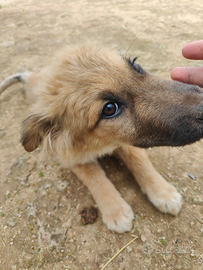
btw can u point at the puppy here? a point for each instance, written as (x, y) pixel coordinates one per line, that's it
(92, 101)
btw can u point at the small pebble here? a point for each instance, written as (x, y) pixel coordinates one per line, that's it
(63, 15)
(191, 176)
(20, 23)
(11, 222)
(129, 249)
(143, 238)
(2, 133)
(192, 224)
(192, 254)
(61, 185)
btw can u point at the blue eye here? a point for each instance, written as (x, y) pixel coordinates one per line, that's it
(136, 66)
(110, 109)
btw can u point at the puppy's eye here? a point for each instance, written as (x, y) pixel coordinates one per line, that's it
(136, 66)
(110, 109)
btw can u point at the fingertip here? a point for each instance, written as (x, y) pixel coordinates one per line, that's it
(173, 74)
(178, 74)
(191, 75)
(193, 50)
(188, 50)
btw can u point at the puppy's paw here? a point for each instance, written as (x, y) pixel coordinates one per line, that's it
(166, 200)
(118, 216)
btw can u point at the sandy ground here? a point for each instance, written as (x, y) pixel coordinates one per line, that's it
(40, 202)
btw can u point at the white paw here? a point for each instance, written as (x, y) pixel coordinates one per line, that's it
(168, 200)
(118, 216)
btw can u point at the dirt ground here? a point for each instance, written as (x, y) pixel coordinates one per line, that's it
(40, 202)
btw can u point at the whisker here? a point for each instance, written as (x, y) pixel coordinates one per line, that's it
(196, 151)
(120, 43)
(184, 151)
(140, 35)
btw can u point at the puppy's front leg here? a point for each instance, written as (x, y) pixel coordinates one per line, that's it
(163, 195)
(116, 213)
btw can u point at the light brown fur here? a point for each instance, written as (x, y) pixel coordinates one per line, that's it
(67, 103)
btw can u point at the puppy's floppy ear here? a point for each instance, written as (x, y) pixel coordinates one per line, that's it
(34, 129)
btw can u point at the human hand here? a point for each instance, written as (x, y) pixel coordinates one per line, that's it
(190, 75)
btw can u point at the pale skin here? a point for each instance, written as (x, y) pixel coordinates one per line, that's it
(191, 75)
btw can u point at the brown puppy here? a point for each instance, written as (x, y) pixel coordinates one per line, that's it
(92, 101)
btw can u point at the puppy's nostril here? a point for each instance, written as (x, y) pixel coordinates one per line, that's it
(200, 116)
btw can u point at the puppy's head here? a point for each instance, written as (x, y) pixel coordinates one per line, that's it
(93, 99)
(83, 103)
